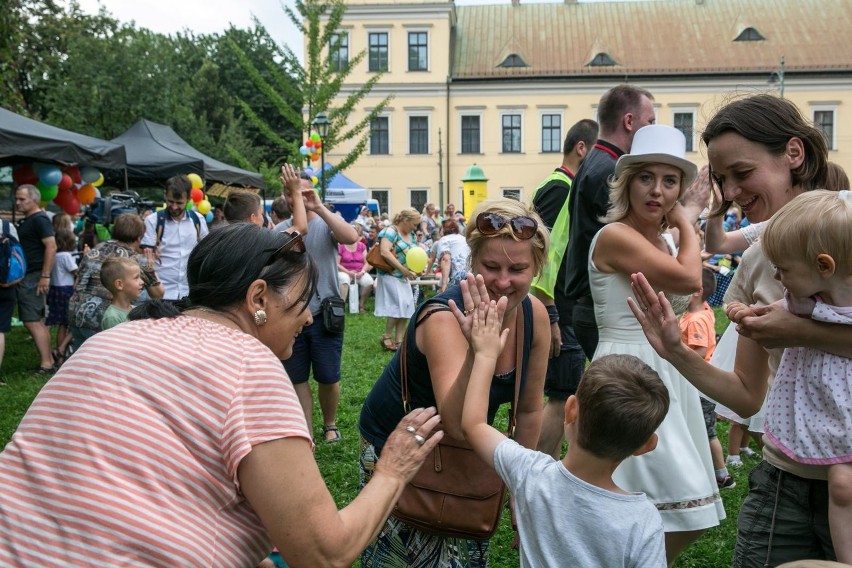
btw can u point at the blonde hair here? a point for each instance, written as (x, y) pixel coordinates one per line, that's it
(508, 208)
(619, 191)
(406, 215)
(816, 222)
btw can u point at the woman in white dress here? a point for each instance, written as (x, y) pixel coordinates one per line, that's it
(678, 475)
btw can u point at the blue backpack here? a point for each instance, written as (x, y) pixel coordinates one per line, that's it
(13, 267)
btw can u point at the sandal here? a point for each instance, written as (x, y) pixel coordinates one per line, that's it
(43, 371)
(389, 344)
(335, 430)
(58, 358)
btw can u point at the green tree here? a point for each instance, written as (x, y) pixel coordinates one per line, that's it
(316, 85)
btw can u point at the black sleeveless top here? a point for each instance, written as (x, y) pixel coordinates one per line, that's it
(383, 409)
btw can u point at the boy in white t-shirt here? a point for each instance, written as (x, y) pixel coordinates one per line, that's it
(571, 512)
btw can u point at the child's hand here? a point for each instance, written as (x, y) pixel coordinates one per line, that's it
(486, 337)
(736, 311)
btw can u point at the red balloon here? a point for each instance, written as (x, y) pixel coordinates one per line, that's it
(65, 183)
(74, 172)
(309, 143)
(61, 197)
(72, 206)
(197, 195)
(25, 174)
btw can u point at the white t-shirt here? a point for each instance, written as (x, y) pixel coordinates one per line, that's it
(64, 267)
(564, 521)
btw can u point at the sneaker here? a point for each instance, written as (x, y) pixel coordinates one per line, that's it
(748, 452)
(734, 462)
(727, 483)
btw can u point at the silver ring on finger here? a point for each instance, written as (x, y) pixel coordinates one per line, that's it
(410, 429)
(419, 439)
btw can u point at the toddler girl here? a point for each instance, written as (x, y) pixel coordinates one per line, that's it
(809, 409)
(61, 288)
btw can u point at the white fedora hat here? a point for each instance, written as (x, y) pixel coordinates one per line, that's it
(661, 144)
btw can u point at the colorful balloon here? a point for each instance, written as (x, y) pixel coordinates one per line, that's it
(197, 195)
(72, 206)
(48, 192)
(74, 172)
(86, 194)
(416, 259)
(195, 180)
(190, 205)
(209, 217)
(89, 174)
(304, 150)
(314, 180)
(99, 182)
(50, 175)
(66, 183)
(25, 174)
(204, 206)
(315, 137)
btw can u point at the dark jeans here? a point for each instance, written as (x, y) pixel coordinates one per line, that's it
(783, 518)
(585, 326)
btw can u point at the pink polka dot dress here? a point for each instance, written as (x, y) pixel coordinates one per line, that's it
(809, 409)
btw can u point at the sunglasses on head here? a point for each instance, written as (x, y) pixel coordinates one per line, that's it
(523, 227)
(294, 244)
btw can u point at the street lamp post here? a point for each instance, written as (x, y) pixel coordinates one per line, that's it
(778, 77)
(321, 124)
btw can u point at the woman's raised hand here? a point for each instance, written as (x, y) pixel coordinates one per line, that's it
(655, 315)
(473, 294)
(290, 179)
(410, 443)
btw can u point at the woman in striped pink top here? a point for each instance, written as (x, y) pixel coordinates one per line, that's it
(179, 441)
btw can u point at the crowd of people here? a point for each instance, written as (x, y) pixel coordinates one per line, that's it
(614, 260)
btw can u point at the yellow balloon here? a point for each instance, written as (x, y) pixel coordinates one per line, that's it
(160, 208)
(314, 180)
(195, 180)
(416, 259)
(99, 182)
(203, 207)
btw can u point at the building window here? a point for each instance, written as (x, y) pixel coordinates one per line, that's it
(749, 34)
(418, 135)
(338, 51)
(419, 198)
(824, 121)
(602, 59)
(418, 50)
(511, 133)
(378, 51)
(551, 133)
(683, 121)
(379, 136)
(512, 193)
(470, 135)
(381, 195)
(513, 60)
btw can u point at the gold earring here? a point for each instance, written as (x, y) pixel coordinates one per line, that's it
(260, 317)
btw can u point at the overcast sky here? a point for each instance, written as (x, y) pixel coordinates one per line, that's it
(209, 16)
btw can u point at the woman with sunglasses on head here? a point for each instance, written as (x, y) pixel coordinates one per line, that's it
(180, 441)
(394, 297)
(762, 154)
(508, 244)
(677, 476)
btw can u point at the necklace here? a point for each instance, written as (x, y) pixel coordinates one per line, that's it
(231, 322)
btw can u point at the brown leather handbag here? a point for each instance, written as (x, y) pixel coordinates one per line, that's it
(455, 493)
(375, 259)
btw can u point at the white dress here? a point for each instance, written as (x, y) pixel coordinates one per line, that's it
(677, 476)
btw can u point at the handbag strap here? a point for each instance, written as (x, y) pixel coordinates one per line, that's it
(519, 354)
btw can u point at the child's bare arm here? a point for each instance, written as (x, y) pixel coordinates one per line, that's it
(487, 342)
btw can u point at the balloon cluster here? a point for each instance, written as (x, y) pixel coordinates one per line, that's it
(197, 199)
(312, 147)
(69, 187)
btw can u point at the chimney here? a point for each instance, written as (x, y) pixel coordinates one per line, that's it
(516, 2)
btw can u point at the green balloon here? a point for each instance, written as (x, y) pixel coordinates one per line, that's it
(189, 205)
(48, 192)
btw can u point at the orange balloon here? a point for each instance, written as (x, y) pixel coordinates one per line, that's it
(87, 194)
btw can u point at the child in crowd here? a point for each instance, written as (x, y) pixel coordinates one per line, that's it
(698, 331)
(809, 408)
(60, 291)
(123, 278)
(573, 506)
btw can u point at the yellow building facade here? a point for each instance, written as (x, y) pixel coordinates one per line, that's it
(499, 86)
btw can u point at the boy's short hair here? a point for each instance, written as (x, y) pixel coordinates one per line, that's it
(240, 206)
(115, 268)
(708, 283)
(621, 401)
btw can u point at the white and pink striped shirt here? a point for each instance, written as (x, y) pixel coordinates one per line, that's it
(129, 454)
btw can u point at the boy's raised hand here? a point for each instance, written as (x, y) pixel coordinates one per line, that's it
(486, 337)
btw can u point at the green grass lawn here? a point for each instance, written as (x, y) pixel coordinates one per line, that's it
(363, 361)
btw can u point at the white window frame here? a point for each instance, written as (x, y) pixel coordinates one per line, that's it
(513, 112)
(390, 136)
(479, 114)
(827, 107)
(428, 49)
(562, 131)
(348, 47)
(687, 109)
(418, 113)
(379, 30)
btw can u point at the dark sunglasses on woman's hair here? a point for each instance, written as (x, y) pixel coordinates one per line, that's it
(294, 244)
(523, 227)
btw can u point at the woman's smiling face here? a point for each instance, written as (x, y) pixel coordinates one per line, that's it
(758, 181)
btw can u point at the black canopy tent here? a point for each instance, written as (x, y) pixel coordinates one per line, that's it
(23, 139)
(156, 152)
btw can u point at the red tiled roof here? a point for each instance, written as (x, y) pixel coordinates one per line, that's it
(670, 37)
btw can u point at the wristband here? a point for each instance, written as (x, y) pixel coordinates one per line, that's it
(45, 275)
(154, 284)
(553, 313)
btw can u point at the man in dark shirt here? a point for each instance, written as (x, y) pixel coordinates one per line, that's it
(35, 233)
(567, 360)
(622, 111)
